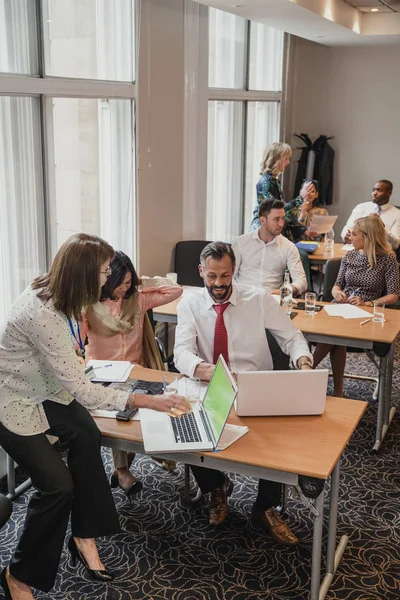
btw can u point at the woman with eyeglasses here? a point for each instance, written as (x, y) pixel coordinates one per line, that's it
(368, 274)
(118, 328)
(44, 390)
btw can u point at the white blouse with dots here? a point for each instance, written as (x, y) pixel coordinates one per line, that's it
(38, 362)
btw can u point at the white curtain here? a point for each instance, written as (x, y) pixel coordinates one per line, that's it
(22, 231)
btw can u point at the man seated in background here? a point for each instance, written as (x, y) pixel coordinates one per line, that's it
(380, 206)
(230, 319)
(263, 255)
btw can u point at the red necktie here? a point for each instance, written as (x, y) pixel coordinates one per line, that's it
(220, 334)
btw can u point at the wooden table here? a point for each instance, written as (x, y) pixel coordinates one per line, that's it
(319, 257)
(342, 332)
(278, 449)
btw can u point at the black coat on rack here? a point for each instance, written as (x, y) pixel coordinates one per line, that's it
(323, 167)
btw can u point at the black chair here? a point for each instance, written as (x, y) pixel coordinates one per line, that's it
(331, 272)
(186, 261)
(5, 510)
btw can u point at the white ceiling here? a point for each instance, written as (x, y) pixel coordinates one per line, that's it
(328, 22)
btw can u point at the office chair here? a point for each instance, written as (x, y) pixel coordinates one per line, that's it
(186, 261)
(5, 509)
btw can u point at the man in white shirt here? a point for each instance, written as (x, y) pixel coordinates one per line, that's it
(230, 319)
(263, 255)
(380, 206)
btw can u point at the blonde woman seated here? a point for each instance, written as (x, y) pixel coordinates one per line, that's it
(118, 328)
(368, 274)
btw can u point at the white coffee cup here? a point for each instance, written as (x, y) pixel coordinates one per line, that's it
(172, 276)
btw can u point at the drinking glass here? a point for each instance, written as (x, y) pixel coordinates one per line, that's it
(310, 300)
(173, 277)
(170, 381)
(379, 313)
(193, 387)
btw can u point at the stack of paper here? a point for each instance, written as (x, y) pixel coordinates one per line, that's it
(110, 370)
(347, 311)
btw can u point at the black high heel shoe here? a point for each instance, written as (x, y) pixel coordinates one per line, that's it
(76, 555)
(4, 585)
(130, 491)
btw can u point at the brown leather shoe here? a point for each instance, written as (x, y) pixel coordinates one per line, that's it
(271, 522)
(219, 502)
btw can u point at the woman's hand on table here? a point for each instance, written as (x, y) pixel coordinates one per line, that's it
(170, 403)
(339, 295)
(356, 301)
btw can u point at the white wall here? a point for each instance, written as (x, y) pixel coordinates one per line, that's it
(353, 94)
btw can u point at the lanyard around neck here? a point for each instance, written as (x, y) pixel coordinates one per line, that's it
(77, 339)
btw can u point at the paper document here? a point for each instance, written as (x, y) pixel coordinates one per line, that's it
(230, 434)
(347, 311)
(110, 370)
(347, 247)
(110, 414)
(322, 223)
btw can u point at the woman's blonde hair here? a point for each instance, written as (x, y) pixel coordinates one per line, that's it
(375, 237)
(273, 156)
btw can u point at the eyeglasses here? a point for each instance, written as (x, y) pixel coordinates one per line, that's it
(107, 272)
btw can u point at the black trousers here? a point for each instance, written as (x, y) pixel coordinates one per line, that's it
(80, 489)
(269, 492)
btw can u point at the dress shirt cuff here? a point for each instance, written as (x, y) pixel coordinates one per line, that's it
(300, 285)
(188, 364)
(298, 354)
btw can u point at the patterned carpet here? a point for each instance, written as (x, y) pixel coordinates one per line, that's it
(168, 551)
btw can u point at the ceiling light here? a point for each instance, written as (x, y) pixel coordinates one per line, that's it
(374, 9)
(238, 5)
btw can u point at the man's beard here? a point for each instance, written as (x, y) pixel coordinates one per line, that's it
(219, 298)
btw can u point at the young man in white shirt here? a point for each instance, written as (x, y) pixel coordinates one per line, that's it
(380, 206)
(230, 319)
(263, 255)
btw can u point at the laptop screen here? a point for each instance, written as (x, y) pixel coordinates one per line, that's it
(219, 398)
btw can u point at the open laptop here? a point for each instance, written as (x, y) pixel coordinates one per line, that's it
(281, 393)
(198, 430)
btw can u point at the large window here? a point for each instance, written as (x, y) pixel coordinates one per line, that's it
(67, 131)
(245, 83)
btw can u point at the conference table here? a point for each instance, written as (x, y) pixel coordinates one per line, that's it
(341, 332)
(278, 449)
(320, 257)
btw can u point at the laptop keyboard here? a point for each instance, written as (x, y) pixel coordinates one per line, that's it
(185, 428)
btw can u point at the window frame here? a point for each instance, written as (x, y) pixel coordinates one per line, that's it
(45, 87)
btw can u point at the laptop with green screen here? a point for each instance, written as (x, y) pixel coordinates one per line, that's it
(198, 430)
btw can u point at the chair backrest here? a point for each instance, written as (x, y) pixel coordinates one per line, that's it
(187, 258)
(331, 272)
(5, 510)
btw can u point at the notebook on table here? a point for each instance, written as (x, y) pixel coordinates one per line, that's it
(200, 429)
(281, 393)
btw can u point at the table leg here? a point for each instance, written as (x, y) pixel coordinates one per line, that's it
(389, 409)
(317, 548)
(334, 555)
(381, 402)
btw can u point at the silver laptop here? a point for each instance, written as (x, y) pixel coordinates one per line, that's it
(281, 393)
(198, 430)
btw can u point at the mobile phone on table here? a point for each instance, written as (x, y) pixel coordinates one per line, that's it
(302, 306)
(126, 415)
